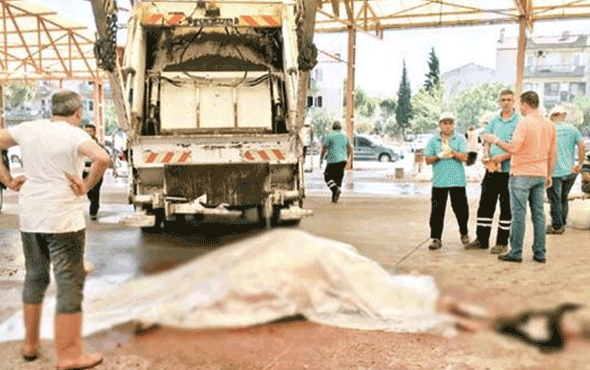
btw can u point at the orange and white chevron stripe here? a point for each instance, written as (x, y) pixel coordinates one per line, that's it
(161, 19)
(265, 155)
(177, 19)
(166, 157)
(260, 21)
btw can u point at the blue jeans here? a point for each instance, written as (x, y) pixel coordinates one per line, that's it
(523, 189)
(557, 195)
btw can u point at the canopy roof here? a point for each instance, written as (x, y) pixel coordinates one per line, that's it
(37, 43)
(379, 15)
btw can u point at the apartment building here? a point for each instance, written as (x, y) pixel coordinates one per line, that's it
(464, 78)
(556, 67)
(326, 87)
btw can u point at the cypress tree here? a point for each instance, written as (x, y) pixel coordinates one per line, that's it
(433, 75)
(403, 110)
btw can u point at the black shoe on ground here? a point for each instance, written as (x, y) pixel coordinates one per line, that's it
(336, 195)
(93, 217)
(475, 245)
(435, 244)
(508, 258)
(539, 259)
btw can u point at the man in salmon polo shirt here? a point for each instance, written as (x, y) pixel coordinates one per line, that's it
(533, 149)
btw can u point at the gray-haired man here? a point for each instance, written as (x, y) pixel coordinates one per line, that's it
(52, 221)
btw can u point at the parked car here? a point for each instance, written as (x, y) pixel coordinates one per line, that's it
(367, 148)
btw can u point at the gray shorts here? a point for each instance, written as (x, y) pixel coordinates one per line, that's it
(66, 252)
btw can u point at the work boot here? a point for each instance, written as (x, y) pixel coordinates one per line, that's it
(435, 244)
(68, 343)
(499, 249)
(551, 230)
(475, 245)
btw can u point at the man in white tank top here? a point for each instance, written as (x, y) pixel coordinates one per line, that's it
(52, 225)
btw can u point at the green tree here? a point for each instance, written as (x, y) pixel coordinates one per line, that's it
(111, 124)
(17, 95)
(427, 107)
(433, 75)
(387, 106)
(471, 104)
(391, 127)
(321, 123)
(363, 125)
(360, 98)
(387, 110)
(403, 110)
(369, 108)
(582, 103)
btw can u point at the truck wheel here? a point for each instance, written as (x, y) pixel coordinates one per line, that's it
(384, 158)
(277, 217)
(264, 222)
(159, 213)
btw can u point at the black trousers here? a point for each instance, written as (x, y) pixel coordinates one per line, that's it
(94, 196)
(334, 174)
(439, 205)
(494, 186)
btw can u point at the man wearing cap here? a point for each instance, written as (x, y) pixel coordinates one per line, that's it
(495, 181)
(337, 150)
(446, 152)
(565, 172)
(533, 148)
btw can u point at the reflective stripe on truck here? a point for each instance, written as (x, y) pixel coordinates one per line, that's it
(274, 155)
(180, 19)
(167, 156)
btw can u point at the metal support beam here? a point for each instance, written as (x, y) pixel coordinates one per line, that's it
(2, 108)
(98, 94)
(350, 88)
(520, 57)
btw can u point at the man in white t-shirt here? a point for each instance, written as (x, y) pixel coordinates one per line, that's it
(52, 222)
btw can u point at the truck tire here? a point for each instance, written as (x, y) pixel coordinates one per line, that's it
(263, 221)
(277, 217)
(159, 213)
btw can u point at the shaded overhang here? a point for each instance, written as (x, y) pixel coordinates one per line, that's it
(37, 43)
(379, 15)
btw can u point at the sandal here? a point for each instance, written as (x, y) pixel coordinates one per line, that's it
(514, 326)
(30, 357)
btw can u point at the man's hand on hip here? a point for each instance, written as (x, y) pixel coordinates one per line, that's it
(77, 185)
(17, 183)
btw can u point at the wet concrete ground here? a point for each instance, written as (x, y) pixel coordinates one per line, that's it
(386, 219)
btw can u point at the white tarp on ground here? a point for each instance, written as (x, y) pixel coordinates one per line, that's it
(277, 274)
(579, 214)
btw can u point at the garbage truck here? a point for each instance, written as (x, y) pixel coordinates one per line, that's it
(211, 96)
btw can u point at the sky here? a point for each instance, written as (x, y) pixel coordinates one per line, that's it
(379, 62)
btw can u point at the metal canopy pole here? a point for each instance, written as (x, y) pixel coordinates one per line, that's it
(520, 57)
(350, 88)
(99, 108)
(2, 110)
